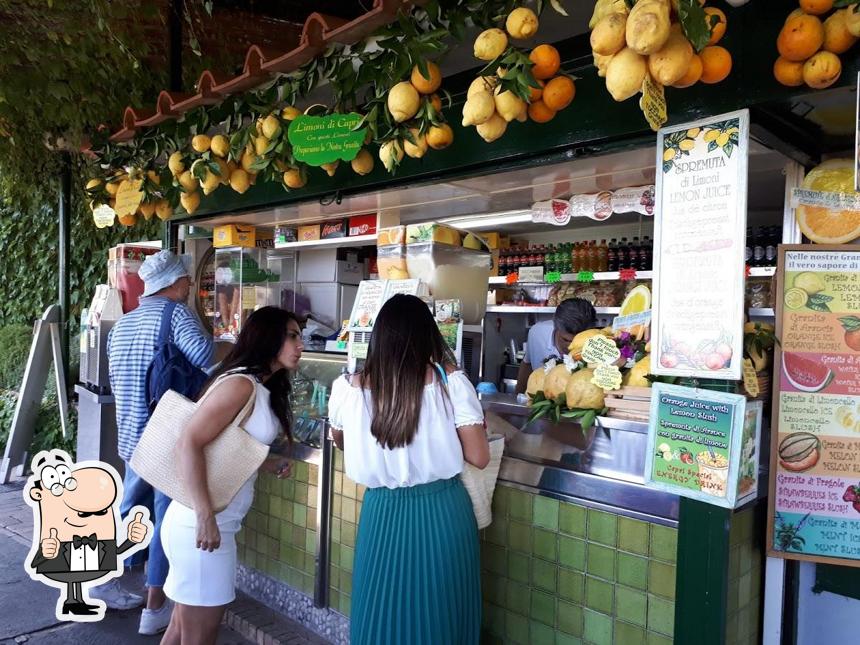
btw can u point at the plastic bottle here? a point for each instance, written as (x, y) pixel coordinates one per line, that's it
(758, 248)
(621, 253)
(568, 258)
(748, 250)
(602, 256)
(770, 246)
(549, 259)
(574, 257)
(612, 256)
(583, 256)
(645, 255)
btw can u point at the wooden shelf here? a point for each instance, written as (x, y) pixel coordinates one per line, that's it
(604, 276)
(334, 243)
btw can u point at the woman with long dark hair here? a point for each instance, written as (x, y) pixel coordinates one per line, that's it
(199, 543)
(406, 425)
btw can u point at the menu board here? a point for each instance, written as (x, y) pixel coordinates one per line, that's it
(703, 445)
(699, 230)
(814, 505)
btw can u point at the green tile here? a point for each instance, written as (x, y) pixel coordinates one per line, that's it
(598, 628)
(571, 585)
(632, 571)
(346, 557)
(518, 566)
(541, 634)
(572, 519)
(598, 595)
(338, 483)
(300, 514)
(501, 502)
(275, 506)
(661, 615)
(601, 561)
(545, 544)
(571, 553)
(521, 505)
(311, 541)
(310, 563)
(518, 598)
(517, 628)
(631, 605)
(301, 495)
(543, 607)
(493, 589)
(661, 580)
(497, 532)
(633, 535)
(544, 575)
(627, 634)
(566, 639)
(348, 510)
(546, 512)
(520, 537)
(494, 618)
(313, 495)
(345, 605)
(349, 488)
(298, 537)
(657, 639)
(664, 543)
(347, 533)
(346, 582)
(494, 558)
(602, 527)
(570, 618)
(336, 524)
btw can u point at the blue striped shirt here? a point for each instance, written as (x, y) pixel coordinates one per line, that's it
(131, 348)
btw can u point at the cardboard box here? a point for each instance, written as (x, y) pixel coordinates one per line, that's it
(335, 229)
(234, 235)
(362, 225)
(309, 233)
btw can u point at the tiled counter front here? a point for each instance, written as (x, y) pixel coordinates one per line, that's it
(279, 534)
(556, 572)
(346, 507)
(744, 594)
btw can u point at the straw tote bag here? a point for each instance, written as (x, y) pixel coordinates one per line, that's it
(481, 483)
(231, 459)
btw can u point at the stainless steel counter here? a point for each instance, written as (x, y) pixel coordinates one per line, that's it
(601, 468)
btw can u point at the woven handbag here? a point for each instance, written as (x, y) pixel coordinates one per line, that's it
(481, 483)
(231, 459)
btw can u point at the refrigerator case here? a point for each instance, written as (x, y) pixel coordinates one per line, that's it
(311, 388)
(243, 284)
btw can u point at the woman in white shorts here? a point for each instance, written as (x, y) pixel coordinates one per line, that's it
(200, 544)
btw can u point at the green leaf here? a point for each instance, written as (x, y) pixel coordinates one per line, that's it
(694, 22)
(850, 323)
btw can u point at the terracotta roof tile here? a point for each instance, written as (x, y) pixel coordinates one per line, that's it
(261, 63)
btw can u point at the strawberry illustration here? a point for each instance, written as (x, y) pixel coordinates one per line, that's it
(686, 456)
(852, 494)
(856, 505)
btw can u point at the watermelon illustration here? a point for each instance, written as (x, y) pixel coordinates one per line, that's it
(804, 374)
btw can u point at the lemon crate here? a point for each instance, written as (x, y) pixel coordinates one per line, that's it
(631, 403)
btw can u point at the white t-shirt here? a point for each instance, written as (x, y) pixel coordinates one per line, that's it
(435, 451)
(541, 343)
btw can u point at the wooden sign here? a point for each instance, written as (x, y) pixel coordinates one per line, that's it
(814, 502)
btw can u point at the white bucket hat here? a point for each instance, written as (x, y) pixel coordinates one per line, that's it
(162, 269)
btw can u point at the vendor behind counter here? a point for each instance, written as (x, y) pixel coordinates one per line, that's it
(552, 337)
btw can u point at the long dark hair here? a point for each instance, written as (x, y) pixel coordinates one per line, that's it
(258, 345)
(405, 341)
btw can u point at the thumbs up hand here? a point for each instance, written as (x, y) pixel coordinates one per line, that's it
(137, 529)
(51, 545)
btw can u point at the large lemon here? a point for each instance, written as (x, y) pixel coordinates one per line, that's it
(555, 382)
(419, 148)
(522, 23)
(220, 145)
(582, 393)
(492, 128)
(508, 104)
(478, 108)
(363, 162)
(391, 154)
(490, 44)
(403, 101)
(536, 381)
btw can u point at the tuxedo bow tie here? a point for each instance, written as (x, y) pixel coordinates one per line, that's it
(85, 540)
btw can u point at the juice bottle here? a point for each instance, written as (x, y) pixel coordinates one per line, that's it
(574, 257)
(612, 256)
(621, 253)
(568, 258)
(583, 256)
(602, 256)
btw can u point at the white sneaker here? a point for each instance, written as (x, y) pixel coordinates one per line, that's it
(114, 596)
(155, 621)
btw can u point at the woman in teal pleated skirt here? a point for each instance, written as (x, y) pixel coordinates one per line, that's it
(406, 425)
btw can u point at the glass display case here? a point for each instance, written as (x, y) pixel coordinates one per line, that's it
(311, 388)
(205, 284)
(243, 283)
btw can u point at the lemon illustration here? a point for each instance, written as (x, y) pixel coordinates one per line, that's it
(669, 154)
(810, 282)
(796, 298)
(687, 144)
(693, 132)
(637, 301)
(841, 413)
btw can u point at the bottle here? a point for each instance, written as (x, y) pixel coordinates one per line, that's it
(602, 256)
(532, 257)
(540, 257)
(549, 259)
(568, 258)
(503, 263)
(583, 256)
(591, 261)
(770, 246)
(645, 254)
(621, 253)
(758, 248)
(748, 250)
(612, 256)
(574, 257)
(633, 254)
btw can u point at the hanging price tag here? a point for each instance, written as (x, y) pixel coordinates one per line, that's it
(750, 378)
(512, 278)
(552, 277)
(103, 215)
(627, 275)
(607, 377)
(585, 276)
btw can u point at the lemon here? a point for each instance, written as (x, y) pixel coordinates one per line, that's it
(490, 44)
(391, 154)
(153, 177)
(796, 298)
(330, 168)
(211, 181)
(492, 128)
(508, 104)
(176, 163)
(637, 301)
(94, 183)
(723, 139)
(403, 101)
(248, 159)
(188, 181)
(220, 145)
(555, 381)
(271, 126)
(147, 210)
(240, 180)
(482, 84)
(261, 143)
(224, 171)
(825, 225)
(522, 23)
(840, 413)
(293, 178)
(664, 447)
(419, 148)
(190, 201)
(440, 136)
(201, 143)
(478, 108)
(289, 113)
(523, 116)
(163, 209)
(472, 242)
(810, 282)
(711, 135)
(112, 187)
(396, 273)
(363, 162)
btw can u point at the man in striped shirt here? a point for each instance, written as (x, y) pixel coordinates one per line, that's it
(131, 348)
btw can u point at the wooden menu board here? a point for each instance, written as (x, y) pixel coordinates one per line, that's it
(814, 503)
